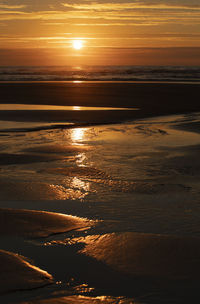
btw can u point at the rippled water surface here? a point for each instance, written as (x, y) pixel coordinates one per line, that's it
(139, 182)
(100, 73)
(139, 176)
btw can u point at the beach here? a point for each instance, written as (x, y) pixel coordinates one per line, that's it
(99, 204)
(153, 98)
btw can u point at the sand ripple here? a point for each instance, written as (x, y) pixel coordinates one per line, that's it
(141, 187)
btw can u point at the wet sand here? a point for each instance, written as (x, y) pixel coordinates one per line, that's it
(80, 300)
(144, 267)
(151, 98)
(137, 182)
(38, 224)
(18, 274)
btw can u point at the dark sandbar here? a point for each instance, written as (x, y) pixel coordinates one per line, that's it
(17, 159)
(151, 98)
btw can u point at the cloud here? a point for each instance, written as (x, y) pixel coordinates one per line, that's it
(121, 6)
(170, 19)
(8, 7)
(144, 12)
(120, 14)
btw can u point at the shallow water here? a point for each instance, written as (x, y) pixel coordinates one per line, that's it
(22, 107)
(140, 176)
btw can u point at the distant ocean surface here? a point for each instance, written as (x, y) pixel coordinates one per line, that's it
(101, 73)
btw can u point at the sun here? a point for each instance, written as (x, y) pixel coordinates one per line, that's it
(77, 44)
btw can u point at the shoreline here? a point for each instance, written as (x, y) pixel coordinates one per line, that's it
(45, 126)
(103, 81)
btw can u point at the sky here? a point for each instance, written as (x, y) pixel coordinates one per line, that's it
(119, 32)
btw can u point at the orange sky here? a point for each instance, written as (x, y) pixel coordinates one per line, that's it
(114, 32)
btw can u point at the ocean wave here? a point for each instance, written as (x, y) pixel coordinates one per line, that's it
(101, 73)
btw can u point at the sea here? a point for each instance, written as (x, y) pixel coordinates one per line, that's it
(101, 73)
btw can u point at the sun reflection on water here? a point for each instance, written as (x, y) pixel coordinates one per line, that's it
(80, 159)
(79, 184)
(73, 193)
(77, 81)
(77, 134)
